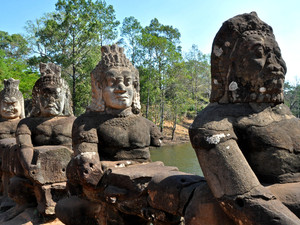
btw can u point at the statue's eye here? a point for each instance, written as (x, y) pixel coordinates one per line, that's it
(277, 52)
(127, 81)
(259, 51)
(111, 81)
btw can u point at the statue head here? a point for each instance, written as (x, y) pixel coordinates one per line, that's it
(11, 100)
(115, 83)
(51, 94)
(246, 63)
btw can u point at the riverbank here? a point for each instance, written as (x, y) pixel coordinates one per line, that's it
(181, 132)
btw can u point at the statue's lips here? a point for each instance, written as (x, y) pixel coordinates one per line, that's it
(274, 74)
(121, 97)
(278, 74)
(51, 106)
(9, 111)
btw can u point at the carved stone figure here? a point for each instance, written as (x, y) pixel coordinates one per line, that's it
(11, 111)
(246, 139)
(44, 143)
(112, 128)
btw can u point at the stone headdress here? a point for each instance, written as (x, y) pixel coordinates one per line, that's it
(224, 55)
(11, 89)
(50, 77)
(112, 56)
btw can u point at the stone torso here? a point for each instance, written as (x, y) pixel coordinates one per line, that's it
(116, 134)
(270, 142)
(45, 131)
(268, 137)
(8, 128)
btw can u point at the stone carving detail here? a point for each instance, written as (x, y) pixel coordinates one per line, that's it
(11, 111)
(12, 102)
(246, 137)
(44, 146)
(112, 126)
(51, 84)
(113, 64)
(246, 63)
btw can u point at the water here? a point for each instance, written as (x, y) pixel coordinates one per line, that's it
(182, 156)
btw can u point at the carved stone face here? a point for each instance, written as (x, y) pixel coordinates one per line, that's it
(10, 108)
(260, 62)
(119, 90)
(52, 101)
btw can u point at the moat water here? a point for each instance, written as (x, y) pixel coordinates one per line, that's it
(182, 156)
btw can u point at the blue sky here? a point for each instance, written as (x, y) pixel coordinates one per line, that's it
(197, 20)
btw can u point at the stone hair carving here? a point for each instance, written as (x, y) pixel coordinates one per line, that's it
(112, 57)
(50, 77)
(11, 89)
(246, 63)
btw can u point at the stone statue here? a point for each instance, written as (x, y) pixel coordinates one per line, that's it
(112, 128)
(110, 134)
(44, 143)
(11, 111)
(246, 139)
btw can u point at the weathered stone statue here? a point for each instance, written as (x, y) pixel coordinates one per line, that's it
(112, 125)
(44, 144)
(11, 111)
(246, 139)
(112, 128)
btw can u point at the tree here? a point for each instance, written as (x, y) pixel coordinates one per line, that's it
(177, 95)
(198, 67)
(13, 53)
(160, 50)
(14, 46)
(131, 30)
(292, 97)
(72, 37)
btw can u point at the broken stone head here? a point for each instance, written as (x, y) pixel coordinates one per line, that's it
(12, 102)
(51, 95)
(246, 62)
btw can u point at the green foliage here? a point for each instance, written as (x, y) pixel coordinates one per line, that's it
(131, 30)
(14, 46)
(171, 87)
(13, 50)
(198, 67)
(72, 37)
(292, 98)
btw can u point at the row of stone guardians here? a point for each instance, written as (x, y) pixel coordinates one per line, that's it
(96, 169)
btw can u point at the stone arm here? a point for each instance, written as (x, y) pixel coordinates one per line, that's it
(231, 179)
(85, 167)
(155, 134)
(25, 153)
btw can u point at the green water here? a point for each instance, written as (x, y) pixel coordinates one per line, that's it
(182, 156)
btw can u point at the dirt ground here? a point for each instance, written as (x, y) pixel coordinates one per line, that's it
(181, 132)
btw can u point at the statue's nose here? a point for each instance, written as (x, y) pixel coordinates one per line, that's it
(275, 64)
(121, 88)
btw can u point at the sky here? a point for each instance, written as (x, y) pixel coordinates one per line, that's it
(198, 21)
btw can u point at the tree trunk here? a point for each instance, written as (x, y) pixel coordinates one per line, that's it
(174, 126)
(148, 102)
(74, 76)
(161, 124)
